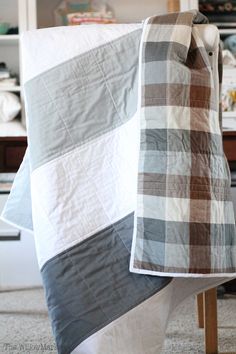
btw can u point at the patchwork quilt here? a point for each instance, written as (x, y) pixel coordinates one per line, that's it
(89, 92)
(185, 224)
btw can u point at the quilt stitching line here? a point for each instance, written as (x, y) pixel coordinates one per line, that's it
(59, 115)
(89, 142)
(82, 55)
(107, 86)
(107, 227)
(117, 316)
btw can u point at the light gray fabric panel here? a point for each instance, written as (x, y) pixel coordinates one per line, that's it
(18, 207)
(158, 74)
(82, 98)
(89, 285)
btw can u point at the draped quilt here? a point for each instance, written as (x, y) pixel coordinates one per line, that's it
(184, 215)
(111, 109)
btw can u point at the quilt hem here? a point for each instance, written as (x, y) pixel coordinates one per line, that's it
(181, 275)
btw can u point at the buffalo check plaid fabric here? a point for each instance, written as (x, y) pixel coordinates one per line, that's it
(185, 222)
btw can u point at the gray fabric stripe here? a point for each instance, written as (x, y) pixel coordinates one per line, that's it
(183, 192)
(178, 95)
(179, 18)
(159, 51)
(156, 161)
(90, 285)
(82, 98)
(177, 73)
(179, 186)
(155, 139)
(181, 140)
(175, 232)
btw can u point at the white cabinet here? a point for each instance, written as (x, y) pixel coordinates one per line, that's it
(18, 261)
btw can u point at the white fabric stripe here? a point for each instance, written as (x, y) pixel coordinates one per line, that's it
(139, 331)
(39, 47)
(163, 208)
(177, 35)
(84, 191)
(142, 329)
(156, 117)
(175, 117)
(206, 36)
(178, 209)
(166, 33)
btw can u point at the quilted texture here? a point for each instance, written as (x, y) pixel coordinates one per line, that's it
(185, 219)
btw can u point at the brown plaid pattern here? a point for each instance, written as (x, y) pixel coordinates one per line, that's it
(185, 220)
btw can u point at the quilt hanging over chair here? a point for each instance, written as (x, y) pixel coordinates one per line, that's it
(124, 151)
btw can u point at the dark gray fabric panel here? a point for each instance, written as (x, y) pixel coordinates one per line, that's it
(89, 285)
(162, 231)
(157, 51)
(154, 139)
(181, 140)
(82, 98)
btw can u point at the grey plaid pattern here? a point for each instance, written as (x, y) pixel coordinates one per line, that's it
(185, 218)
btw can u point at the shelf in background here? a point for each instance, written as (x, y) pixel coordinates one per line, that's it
(13, 130)
(228, 68)
(9, 38)
(10, 88)
(227, 30)
(6, 180)
(12, 150)
(229, 121)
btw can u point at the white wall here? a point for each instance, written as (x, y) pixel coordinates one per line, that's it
(9, 52)
(9, 11)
